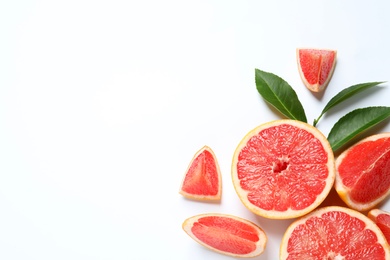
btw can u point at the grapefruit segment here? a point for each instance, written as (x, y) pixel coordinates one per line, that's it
(363, 172)
(226, 234)
(382, 220)
(202, 180)
(316, 67)
(334, 233)
(283, 169)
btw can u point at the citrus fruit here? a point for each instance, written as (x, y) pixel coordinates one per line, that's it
(363, 172)
(283, 169)
(226, 234)
(316, 67)
(334, 233)
(202, 180)
(382, 220)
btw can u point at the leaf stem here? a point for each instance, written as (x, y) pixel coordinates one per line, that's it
(316, 120)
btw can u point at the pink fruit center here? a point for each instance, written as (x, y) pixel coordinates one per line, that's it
(280, 165)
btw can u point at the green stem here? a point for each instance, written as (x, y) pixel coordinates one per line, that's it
(316, 120)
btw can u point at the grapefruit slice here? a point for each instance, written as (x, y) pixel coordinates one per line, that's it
(316, 67)
(202, 180)
(334, 233)
(363, 172)
(226, 234)
(283, 169)
(382, 220)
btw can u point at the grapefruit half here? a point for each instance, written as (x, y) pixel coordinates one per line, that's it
(363, 172)
(334, 233)
(382, 220)
(316, 67)
(283, 169)
(202, 179)
(226, 234)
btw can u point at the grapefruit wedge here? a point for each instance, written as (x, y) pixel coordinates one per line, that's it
(226, 234)
(283, 169)
(382, 220)
(316, 67)
(334, 233)
(202, 180)
(363, 172)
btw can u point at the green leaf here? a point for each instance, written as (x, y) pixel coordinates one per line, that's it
(279, 94)
(354, 123)
(345, 94)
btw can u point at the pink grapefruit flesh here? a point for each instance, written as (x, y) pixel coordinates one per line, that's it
(334, 233)
(283, 169)
(382, 220)
(202, 180)
(316, 67)
(363, 172)
(226, 234)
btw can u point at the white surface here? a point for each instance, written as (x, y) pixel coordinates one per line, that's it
(104, 103)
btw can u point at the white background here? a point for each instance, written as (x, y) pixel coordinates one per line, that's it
(104, 103)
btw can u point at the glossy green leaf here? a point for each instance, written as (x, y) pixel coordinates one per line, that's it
(354, 123)
(344, 95)
(279, 94)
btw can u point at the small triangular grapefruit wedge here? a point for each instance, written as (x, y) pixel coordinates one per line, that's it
(316, 67)
(363, 172)
(226, 234)
(202, 180)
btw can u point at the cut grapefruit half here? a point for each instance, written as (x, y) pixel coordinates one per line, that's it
(202, 180)
(226, 234)
(283, 169)
(382, 220)
(363, 172)
(334, 233)
(316, 67)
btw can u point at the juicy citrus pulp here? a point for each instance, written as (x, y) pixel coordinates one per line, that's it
(283, 169)
(316, 67)
(382, 220)
(226, 234)
(334, 233)
(363, 172)
(202, 180)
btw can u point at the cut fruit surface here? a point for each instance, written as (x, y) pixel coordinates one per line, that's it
(382, 220)
(283, 169)
(316, 67)
(334, 233)
(202, 180)
(363, 172)
(226, 234)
